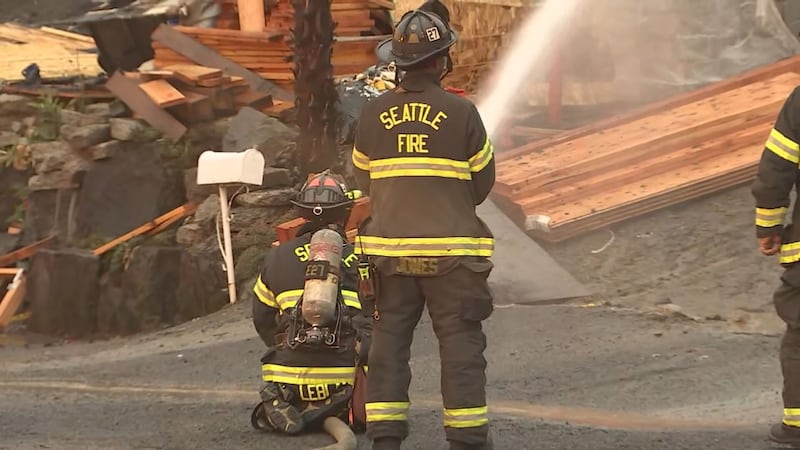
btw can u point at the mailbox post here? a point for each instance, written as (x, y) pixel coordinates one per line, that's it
(223, 169)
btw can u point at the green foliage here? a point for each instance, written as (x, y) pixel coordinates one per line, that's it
(48, 121)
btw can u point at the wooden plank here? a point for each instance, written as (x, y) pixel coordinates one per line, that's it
(253, 99)
(13, 298)
(786, 65)
(203, 55)
(179, 212)
(162, 93)
(251, 15)
(198, 108)
(638, 174)
(193, 73)
(660, 189)
(759, 97)
(25, 252)
(128, 91)
(628, 157)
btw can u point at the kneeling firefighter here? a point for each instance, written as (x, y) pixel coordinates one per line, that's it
(309, 315)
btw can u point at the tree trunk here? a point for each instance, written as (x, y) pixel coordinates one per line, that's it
(314, 88)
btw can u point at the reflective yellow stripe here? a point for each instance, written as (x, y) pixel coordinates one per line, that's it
(790, 253)
(782, 146)
(360, 160)
(289, 299)
(483, 157)
(791, 417)
(351, 299)
(466, 417)
(264, 294)
(419, 167)
(386, 411)
(770, 217)
(442, 246)
(307, 375)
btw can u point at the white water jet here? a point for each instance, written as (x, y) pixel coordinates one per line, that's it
(527, 58)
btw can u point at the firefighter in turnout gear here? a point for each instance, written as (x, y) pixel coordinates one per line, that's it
(778, 174)
(424, 157)
(307, 382)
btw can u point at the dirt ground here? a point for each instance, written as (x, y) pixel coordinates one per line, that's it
(699, 257)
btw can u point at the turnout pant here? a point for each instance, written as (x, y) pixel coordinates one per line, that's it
(787, 305)
(457, 302)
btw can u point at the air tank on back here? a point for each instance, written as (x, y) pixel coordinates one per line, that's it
(321, 288)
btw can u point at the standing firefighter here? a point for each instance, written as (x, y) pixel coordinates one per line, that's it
(310, 364)
(777, 175)
(425, 158)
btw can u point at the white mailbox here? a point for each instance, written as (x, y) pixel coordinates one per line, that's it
(223, 168)
(231, 167)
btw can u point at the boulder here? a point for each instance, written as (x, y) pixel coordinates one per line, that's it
(87, 136)
(256, 226)
(50, 156)
(253, 129)
(201, 284)
(194, 192)
(266, 198)
(53, 181)
(16, 105)
(121, 193)
(276, 177)
(62, 291)
(103, 150)
(7, 139)
(8, 242)
(202, 224)
(135, 130)
(248, 262)
(113, 317)
(148, 287)
(107, 109)
(191, 233)
(78, 119)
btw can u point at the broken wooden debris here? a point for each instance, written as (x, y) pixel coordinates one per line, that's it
(265, 55)
(288, 230)
(157, 225)
(676, 150)
(190, 50)
(57, 53)
(140, 103)
(12, 299)
(25, 252)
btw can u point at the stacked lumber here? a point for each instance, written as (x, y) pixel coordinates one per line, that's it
(352, 17)
(269, 54)
(194, 93)
(58, 53)
(685, 147)
(229, 17)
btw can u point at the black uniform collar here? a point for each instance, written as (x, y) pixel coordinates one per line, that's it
(419, 81)
(313, 227)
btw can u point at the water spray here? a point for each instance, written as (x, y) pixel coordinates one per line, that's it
(525, 59)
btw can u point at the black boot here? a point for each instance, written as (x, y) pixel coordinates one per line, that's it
(784, 434)
(278, 412)
(386, 443)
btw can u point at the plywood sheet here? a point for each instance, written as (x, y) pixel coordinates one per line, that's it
(53, 61)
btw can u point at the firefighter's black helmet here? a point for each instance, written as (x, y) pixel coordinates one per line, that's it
(324, 197)
(418, 36)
